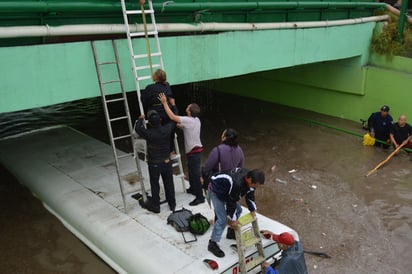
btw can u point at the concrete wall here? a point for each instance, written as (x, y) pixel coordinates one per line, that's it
(337, 88)
(34, 76)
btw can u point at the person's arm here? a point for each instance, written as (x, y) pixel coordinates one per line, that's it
(393, 140)
(211, 162)
(163, 99)
(140, 129)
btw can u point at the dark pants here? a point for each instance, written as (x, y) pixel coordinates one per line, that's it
(166, 171)
(382, 137)
(193, 163)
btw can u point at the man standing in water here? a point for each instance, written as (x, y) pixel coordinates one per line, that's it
(401, 133)
(193, 147)
(380, 124)
(293, 259)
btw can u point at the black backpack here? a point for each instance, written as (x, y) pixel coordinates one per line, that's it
(179, 219)
(184, 221)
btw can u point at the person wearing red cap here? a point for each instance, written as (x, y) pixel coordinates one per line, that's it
(293, 259)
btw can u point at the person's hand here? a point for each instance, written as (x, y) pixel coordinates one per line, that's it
(179, 125)
(266, 233)
(162, 98)
(233, 224)
(172, 101)
(253, 214)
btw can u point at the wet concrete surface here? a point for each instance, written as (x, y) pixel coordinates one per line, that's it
(364, 223)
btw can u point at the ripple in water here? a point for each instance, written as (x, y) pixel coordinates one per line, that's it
(74, 114)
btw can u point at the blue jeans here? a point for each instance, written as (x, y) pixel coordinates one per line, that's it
(220, 212)
(193, 163)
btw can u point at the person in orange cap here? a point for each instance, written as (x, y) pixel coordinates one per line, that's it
(293, 259)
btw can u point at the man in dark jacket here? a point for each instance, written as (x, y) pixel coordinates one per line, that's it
(225, 190)
(380, 124)
(158, 151)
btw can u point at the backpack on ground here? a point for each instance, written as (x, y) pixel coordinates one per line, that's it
(198, 224)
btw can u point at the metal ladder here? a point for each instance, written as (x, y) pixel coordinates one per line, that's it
(144, 63)
(111, 83)
(248, 236)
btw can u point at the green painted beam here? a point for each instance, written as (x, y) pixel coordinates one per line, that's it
(40, 75)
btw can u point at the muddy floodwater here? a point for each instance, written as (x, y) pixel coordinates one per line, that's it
(315, 183)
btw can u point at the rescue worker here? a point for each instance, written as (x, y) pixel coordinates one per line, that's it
(158, 161)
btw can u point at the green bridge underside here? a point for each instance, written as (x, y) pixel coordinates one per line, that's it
(324, 69)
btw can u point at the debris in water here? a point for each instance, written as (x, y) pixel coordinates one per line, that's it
(281, 181)
(292, 170)
(314, 187)
(273, 168)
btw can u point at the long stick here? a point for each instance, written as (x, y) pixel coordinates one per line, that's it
(386, 160)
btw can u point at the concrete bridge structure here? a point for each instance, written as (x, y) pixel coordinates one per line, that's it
(321, 65)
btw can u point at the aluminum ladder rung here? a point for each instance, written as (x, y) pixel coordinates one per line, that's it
(142, 33)
(139, 11)
(145, 55)
(115, 100)
(119, 118)
(125, 155)
(141, 78)
(121, 137)
(107, 63)
(110, 82)
(148, 67)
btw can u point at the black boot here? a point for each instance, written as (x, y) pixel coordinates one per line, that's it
(214, 248)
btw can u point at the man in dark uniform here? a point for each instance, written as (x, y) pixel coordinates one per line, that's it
(158, 151)
(380, 124)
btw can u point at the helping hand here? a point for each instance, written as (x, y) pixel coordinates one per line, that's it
(162, 98)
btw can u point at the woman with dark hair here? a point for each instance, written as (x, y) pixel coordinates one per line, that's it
(226, 156)
(223, 158)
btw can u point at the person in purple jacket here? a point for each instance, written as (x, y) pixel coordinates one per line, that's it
(224, 157)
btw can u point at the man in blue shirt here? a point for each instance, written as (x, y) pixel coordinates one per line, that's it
(293, 259)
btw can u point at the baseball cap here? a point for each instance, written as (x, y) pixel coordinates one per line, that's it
(153, 118)
(385, 108)
(284, 238)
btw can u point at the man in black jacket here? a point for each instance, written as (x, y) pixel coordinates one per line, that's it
(225, 190)
(380, 124)
(158, 151)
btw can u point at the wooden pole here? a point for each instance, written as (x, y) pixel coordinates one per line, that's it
(386, 160)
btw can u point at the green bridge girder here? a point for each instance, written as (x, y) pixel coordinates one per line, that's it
(40, 75)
